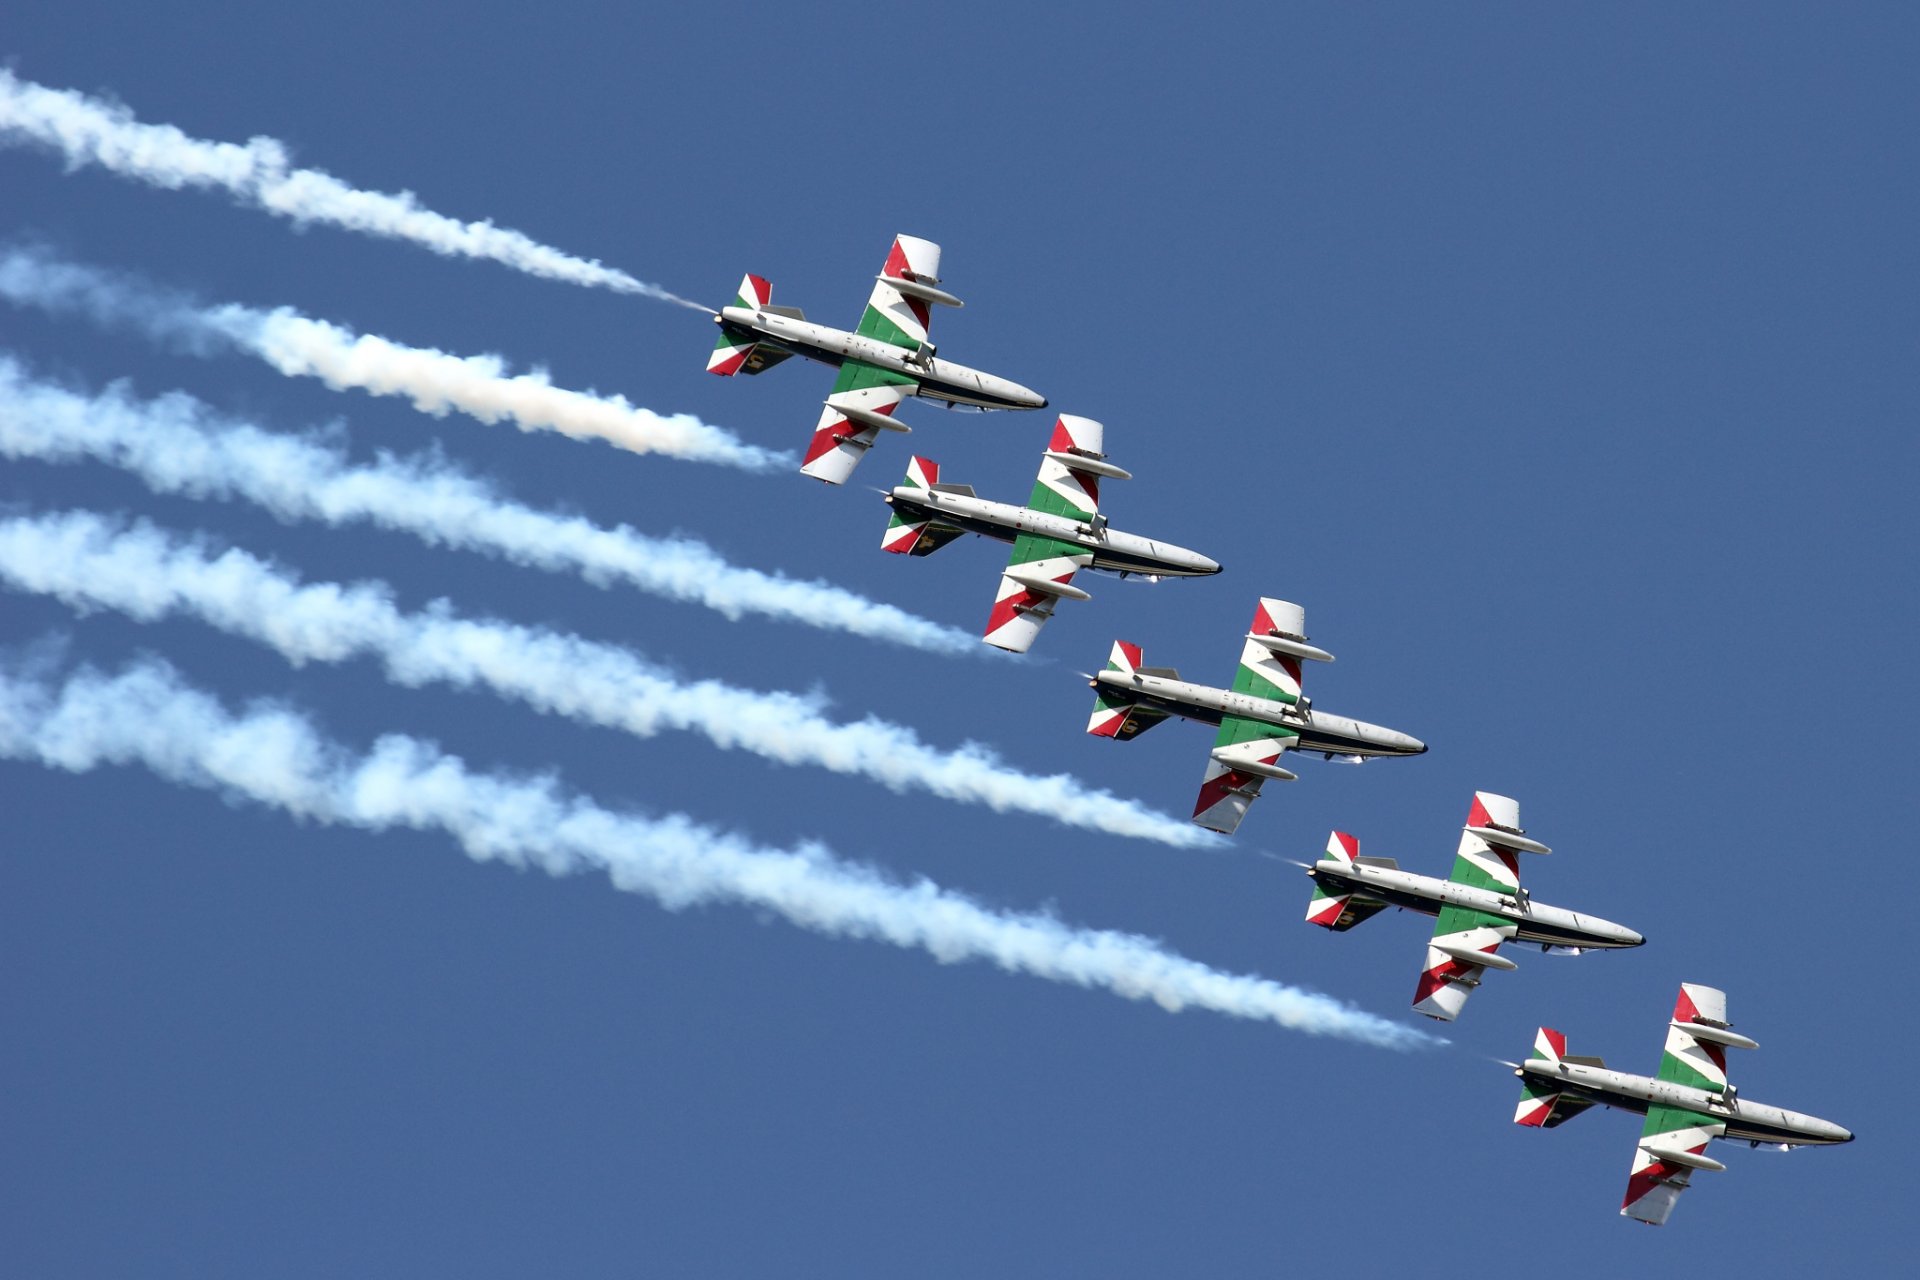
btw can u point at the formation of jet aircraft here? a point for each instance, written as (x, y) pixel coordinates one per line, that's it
(882, 362)
(1262, 716)
(1061, 531)
(1478, 907)
(1687, 1105)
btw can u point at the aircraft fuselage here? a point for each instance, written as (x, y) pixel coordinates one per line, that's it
(936, 379)
(1112, 550)
(1534, 921)
(1745, 1121)
(1317, 730)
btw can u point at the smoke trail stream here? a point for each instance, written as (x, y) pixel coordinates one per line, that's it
(146, 715)
(86, 130)
(177, 444)
(434, 382)
(89, 561)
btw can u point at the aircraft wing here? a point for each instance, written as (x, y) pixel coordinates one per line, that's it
(1674, 1141)
(1672, 1145)
(1038, 574)
(863, 396)
(1463, 946)
(1245, 754)
(1544, 1105)
(899, 309)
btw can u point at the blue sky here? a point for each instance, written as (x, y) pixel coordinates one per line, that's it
(1560, 363)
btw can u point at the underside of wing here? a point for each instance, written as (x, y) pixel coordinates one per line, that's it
(1673, 1143)
(1039, 573)
(1245, 754)
(1462, 948)
(863, 397)
(899, 309)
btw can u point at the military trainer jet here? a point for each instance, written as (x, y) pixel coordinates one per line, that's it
(1480, 906)
(1687, 1105)
(1060, 531)
(881, 363)
(1263, 715)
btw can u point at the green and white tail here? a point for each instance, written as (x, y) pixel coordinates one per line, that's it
(1542, 1106)
(1115, 715)
(736, 352)
(914, 533)
(1341, 911)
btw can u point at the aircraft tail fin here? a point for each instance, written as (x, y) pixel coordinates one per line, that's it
(1115, 714)
(735, 351)
(1339, 910)
(914, 532)
(1541, 1105)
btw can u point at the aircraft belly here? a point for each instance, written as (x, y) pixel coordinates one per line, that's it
(806, 349)
(1125, 562)
(1405, 899)
(934, 388)
(1556, 935)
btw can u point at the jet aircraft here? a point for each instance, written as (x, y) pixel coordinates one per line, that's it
(1480, 906)
(882, 362)
(1060, 531)
(1687, 1105)
(1263, 715)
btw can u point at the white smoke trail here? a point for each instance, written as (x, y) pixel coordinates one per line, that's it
(89, 561)
(434, 381)
(87, 130)
(178, 444)
(147, 716)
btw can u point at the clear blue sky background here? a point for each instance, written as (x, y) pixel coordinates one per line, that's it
(1562, 362)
